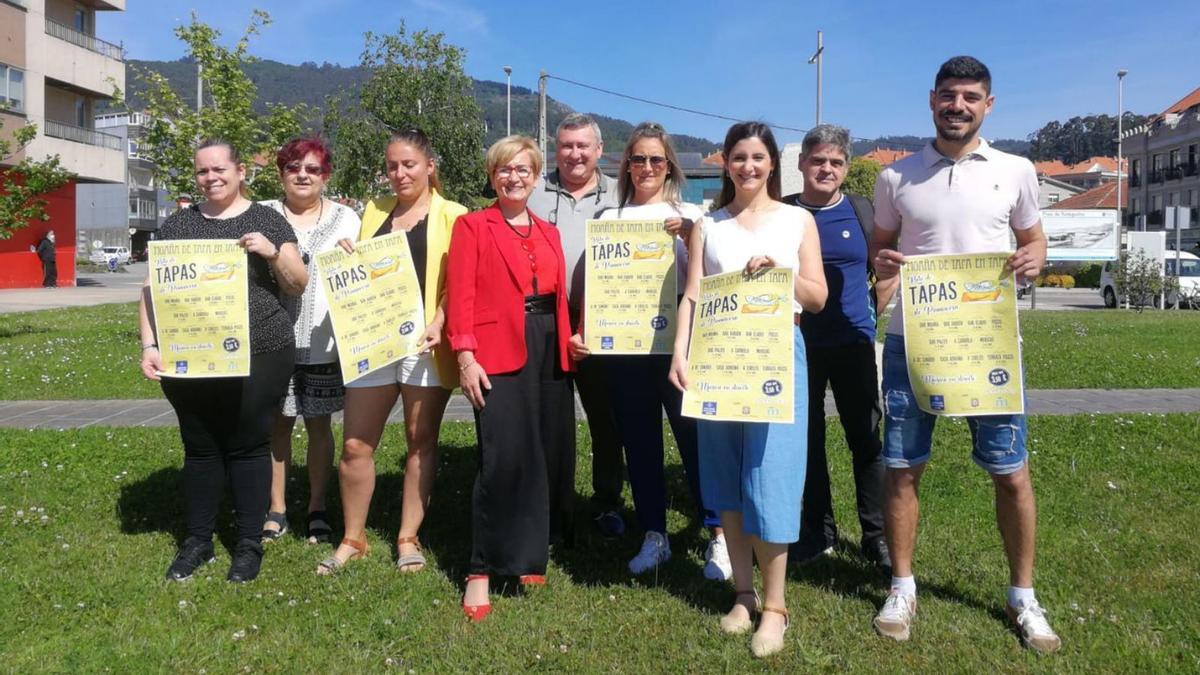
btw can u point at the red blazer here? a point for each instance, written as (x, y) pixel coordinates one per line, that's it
(485, 306)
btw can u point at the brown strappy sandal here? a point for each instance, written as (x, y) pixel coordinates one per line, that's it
(736, 627)
(763, 646)
(331, 564)
(410, 562)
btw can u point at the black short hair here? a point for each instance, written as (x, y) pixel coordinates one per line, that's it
(964, 68)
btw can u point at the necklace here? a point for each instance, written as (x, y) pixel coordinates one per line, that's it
(320, 212)
(528, 228)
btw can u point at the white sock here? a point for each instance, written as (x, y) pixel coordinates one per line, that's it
(1019, 598)
(904, 586)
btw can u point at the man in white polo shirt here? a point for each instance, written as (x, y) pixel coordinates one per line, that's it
(957, 195)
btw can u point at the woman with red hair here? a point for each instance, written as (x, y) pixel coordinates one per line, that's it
(315, 390)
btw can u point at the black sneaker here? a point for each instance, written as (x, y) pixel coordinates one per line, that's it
(247, 558)
(194, 553)
(876, 551)
(809, 551)
(610, 524)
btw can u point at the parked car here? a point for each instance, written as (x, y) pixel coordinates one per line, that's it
(1189, 280)
(103, 255)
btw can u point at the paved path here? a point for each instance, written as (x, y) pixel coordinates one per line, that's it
(157, 412)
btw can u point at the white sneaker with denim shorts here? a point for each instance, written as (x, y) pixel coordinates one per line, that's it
(655, 551)
(716, 560)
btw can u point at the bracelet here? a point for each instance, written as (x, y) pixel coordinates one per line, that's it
(463, 368)
(152, 345)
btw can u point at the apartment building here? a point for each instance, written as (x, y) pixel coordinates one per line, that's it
(1164, 168)
(54, 70)
(142, 205)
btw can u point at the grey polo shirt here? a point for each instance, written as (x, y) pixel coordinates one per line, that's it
(554, 204)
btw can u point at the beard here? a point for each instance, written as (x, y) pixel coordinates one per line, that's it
(964, 132)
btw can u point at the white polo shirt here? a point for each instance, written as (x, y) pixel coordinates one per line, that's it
(944, 206)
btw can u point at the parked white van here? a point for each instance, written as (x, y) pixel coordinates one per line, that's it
(1189, 280)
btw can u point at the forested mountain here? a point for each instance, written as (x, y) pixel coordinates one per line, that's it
(310, 84)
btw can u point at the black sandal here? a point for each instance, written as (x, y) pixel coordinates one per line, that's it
(318, 527)
(279, 519)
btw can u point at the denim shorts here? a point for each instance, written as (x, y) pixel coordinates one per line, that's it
(998, 440)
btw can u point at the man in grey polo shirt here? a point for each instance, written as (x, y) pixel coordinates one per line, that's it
(574, 192)
(957, 195)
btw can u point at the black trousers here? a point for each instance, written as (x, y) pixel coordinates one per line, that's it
(225, 425)
(608, 468)
(851, 372)
(525, 483)
(49, 274)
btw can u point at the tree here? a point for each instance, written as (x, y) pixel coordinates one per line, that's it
(860, 177)
(175, 127)
(417, 80)
(1140, 279)
(22, 185)
(1079, 138)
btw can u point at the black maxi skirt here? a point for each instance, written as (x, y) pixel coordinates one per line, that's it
(525, 484)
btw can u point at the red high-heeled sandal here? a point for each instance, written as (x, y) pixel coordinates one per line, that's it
(476, 613)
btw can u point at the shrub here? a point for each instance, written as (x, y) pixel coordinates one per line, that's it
(1088, 276)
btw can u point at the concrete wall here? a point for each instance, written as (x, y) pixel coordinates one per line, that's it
(12, 36)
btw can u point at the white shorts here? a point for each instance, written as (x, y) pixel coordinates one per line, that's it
(419, 370)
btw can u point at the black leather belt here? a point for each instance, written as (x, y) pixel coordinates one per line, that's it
(540, 304)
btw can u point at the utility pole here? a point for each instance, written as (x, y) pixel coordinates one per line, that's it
(199, 86)
(1120, 132)
(542, 113)
(817, 58)
(508, 101)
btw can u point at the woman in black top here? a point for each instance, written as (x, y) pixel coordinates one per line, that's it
(225, 423)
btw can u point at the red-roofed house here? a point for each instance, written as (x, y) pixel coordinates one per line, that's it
(1101, 197)
(1086, 174)
(886, 156)
(1164, 167)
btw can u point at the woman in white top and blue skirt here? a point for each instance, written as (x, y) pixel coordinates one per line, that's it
(752, 473)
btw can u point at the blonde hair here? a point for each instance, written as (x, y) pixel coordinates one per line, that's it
(503, 151)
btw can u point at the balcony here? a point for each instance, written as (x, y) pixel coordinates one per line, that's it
(88, 42)
(1135, 180)
(1156, 176)
(1191, 169)
(80, 135)
(1173, 172)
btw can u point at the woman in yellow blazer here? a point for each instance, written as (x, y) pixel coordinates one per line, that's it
(423, 382)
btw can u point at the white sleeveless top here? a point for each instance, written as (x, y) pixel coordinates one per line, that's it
(728, 246)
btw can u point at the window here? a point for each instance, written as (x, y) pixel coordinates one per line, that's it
(1157, 162)
(133, 208)
(1137, 167)
(82, 116)
(1191, 199)
(12, 88)
(1156, 202)
(1192, 151)
(1173, 158)
(1135, 205)
(133, 149)
(1172, 197)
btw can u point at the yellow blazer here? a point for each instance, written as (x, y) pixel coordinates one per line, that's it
(440, 224)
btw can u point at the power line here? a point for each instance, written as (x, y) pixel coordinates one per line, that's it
(899, 145)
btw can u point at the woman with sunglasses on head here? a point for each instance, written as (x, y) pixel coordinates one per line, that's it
(650, 187)
(752, 473)
(422, 382)
(225, 422)
(315, 391)
(507, 322)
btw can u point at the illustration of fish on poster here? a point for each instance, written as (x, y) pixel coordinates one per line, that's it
(374, 303)
(630, 297)
(961, 334)
(740, 359)
(200, 295)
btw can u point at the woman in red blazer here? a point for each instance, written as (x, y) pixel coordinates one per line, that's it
(507, 323)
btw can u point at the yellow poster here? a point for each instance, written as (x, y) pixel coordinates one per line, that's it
(740, 361)
(630, 298)
(201, 311)
(374, 303)
(961, 334)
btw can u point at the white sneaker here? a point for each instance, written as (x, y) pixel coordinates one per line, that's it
(1035, 630)
(655, 551)
(716, 560)
(894, 619)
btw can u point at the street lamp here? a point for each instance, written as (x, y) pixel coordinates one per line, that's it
(817, 58)
(508, 101)
(1120, 129)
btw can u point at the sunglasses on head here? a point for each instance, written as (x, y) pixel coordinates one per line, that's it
(310, 169)
(656, 161)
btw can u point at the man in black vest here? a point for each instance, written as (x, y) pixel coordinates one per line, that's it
(840, 341)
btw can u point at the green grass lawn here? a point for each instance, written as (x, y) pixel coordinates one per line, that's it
(89, 520)
(92, 352)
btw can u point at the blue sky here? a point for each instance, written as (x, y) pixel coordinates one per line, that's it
(1049, 60)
